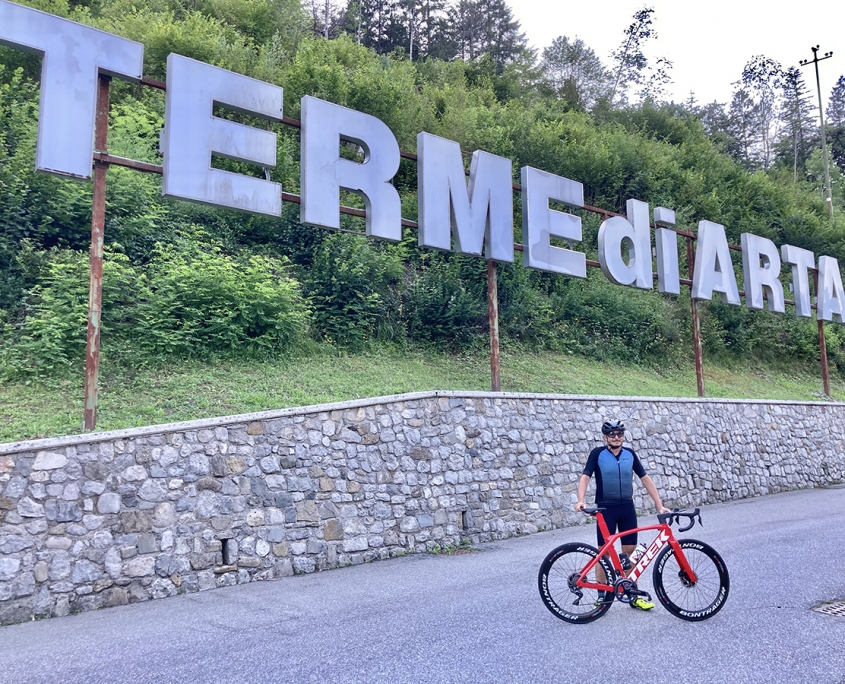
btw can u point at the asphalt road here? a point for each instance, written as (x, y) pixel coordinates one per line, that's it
(477, 618)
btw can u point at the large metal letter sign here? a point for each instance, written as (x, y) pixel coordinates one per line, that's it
(831, 296)
(475, 214)
(802, 260)
(73, 56)
(714, 271)
(192, 134)
(636, 232)
(539, 223)
(324, 172)
(761, 269)
(666, 248)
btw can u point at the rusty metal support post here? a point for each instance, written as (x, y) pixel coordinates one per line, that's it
(696, 325)
(95, 290)
(822, 342)
(493, 319)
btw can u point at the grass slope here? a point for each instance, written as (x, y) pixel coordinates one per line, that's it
(194, 390)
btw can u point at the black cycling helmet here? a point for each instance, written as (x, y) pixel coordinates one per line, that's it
(611, 425)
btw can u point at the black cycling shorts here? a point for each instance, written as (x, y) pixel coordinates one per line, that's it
(619, 517)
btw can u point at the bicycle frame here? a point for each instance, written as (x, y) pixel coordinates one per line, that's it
(664, 536)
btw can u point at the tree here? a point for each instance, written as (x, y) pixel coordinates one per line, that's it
(797, 120)
(372, 22)
(762, 77)
(836, 140)
(743, 127)
(419, 20)
(836, 122)
(719, 127)
(573, 72)
(326, 19)
(630, 60)
(487, 27)
(836, 106)
(654, 88)
(502, 37)
(443, 39)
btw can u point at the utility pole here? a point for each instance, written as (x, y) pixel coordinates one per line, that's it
(816, 59)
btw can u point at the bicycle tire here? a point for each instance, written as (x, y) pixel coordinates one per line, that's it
(687, 601)
(555, 580)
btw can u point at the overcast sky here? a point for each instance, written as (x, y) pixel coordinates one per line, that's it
(709, 41)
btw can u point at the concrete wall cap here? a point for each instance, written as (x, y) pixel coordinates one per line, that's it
(222, 421)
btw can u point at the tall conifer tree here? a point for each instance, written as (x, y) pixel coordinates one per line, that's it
(797, 119)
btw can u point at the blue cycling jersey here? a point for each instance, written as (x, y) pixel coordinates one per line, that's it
(614, 474)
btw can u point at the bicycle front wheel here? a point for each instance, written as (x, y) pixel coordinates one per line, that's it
(559, 573)
(683, 598)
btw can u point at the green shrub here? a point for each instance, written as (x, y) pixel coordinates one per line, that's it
(439, 308)
(51, 338)
(202, 303)
(605, 321)
(526, 312)
(353, 288)
(184, 304)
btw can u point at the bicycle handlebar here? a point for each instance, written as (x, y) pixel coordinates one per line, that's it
(675, 516)
(668, 518)
(591, 511)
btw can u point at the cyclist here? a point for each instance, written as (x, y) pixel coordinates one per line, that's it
(614, 467)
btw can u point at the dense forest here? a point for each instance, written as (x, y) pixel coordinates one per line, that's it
(184, 280)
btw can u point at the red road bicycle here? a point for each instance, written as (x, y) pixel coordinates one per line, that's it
(690, 578)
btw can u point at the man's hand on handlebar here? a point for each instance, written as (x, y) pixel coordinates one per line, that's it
(663, 509)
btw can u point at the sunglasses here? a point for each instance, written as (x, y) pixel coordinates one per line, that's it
(616, 433)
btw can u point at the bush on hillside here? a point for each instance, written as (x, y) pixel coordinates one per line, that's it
(440, 309)
(185, 304)
(353, 288)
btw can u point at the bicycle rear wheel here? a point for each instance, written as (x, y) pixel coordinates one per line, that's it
(688, 600)
(558, 574)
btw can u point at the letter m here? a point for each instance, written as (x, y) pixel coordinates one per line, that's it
(475, 214)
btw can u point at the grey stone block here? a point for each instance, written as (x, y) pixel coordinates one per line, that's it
(230, 552)
(152, 490)
(208, 483)
(108, 503)
(117, 596)
(147, 543)
(9, 568)
(164, 515)
(59, 568)
(85, 572)
(142, 566)
(63, 511)
(14, 544)
(202, 561)
(135, 521)
(12, 612)
(49, 460)
(27, 508)
(40, 571)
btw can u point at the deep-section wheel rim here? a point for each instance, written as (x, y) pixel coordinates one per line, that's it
(688, 600)
(557, 588)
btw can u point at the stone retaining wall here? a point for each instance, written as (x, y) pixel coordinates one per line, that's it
(112, 518)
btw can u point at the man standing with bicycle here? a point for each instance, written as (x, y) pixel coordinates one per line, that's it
(614, 466)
